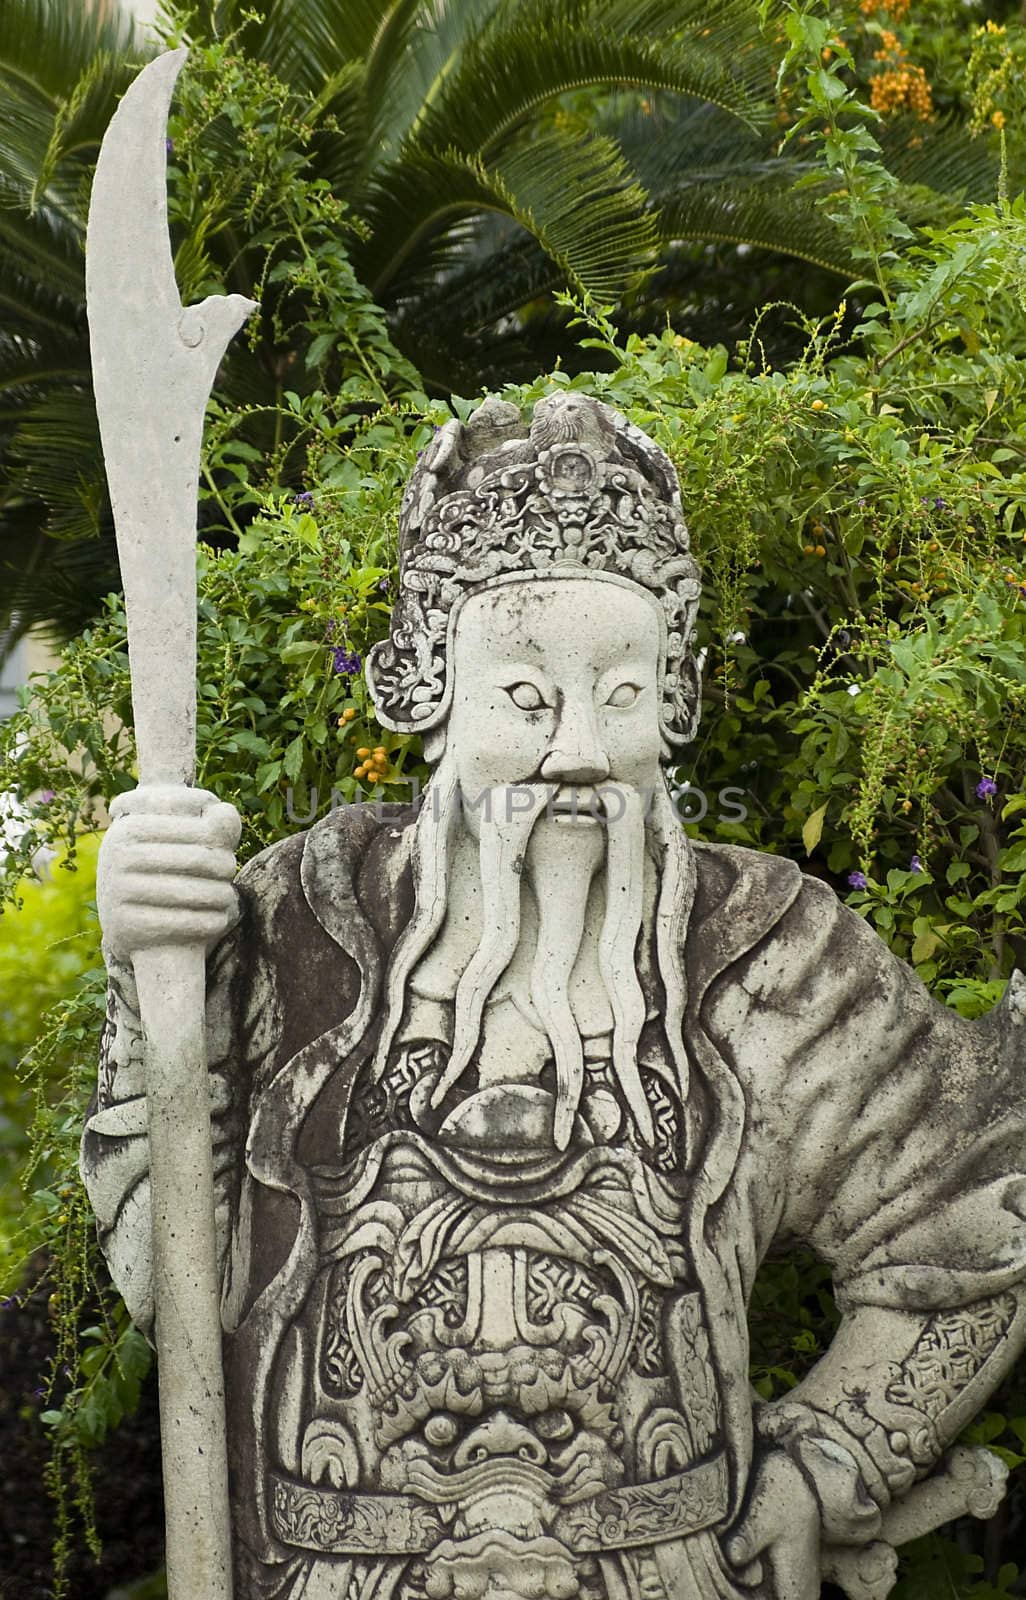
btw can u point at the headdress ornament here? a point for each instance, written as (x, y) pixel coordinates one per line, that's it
(580, 492)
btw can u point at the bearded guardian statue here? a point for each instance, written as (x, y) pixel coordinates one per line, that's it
(514, 1091)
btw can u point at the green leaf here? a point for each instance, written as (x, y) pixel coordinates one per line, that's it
(292, 763)
(812, 829)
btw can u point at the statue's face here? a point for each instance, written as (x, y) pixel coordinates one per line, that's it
(555, 680)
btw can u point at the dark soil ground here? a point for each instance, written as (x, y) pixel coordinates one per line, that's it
(127, 1477)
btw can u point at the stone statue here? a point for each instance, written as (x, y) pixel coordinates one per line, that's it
(512, 1093)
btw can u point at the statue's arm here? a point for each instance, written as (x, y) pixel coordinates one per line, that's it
(165, 877)
(891, 1141)
(878, 1411)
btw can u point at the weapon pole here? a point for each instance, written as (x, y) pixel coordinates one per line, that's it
(154, 363)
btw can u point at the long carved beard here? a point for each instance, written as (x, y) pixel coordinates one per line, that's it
(562, 859)
(560, 862)
(505, 833)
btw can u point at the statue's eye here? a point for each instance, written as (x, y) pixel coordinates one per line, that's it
(526, 695)
(440, 1429)
(624, 695)
(554, 1426)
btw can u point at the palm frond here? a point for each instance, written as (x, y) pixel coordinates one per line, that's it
(669, 140)
(942, 157)
(759, 215)
(533, 52)
(580, 200)
(62, 71)
(305, 42)
(574, 195)
(56, 459)
(435, 40)
(407, 25)
(48, 45)
(500, 270)
(56, 587)
(45, 251)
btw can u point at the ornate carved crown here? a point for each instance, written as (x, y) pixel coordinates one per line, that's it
(582, 492)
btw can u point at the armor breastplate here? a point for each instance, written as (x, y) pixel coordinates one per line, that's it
(503, 1369)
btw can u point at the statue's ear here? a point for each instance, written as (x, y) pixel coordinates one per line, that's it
(682, 703)
(434, 744)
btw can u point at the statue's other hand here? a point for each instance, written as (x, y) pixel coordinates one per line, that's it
(780, 1526)
(165, 870)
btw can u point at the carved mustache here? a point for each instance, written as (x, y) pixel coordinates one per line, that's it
(483, 1477)
(579, 1476)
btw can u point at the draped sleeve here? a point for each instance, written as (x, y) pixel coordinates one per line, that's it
(884, 1131)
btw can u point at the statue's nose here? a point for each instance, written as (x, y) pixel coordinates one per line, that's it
(576, 754)
(500, 1436)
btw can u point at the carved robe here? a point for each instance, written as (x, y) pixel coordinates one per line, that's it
(463, 1354)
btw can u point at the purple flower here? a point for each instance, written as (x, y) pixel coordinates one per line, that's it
(8, 1304)
(915, 865)
(45, 797)
(985, 787)
(383, 585)
(940, 504)
(169, 146)
(345, 662)
(38, 1393)
(858, 880)
(303, 498)
(862, 501)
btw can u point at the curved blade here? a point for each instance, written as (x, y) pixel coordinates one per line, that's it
(128, 251)
(153, 366)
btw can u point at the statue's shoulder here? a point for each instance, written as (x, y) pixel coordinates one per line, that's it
(729, 870)
(328, 858)
(745, 896)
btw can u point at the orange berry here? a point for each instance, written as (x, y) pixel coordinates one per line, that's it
(363, 752)
(821, 549)
(819, 405)
(809, 549)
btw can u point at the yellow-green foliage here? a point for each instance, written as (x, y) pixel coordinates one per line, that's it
(49, 945)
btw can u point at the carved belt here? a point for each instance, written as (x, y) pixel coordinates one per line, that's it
(339, 1522)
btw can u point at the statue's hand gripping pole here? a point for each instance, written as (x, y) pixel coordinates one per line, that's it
(154, 363)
